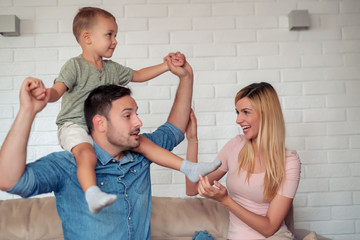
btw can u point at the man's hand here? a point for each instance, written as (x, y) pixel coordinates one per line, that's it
(33, 95)
(181, 71)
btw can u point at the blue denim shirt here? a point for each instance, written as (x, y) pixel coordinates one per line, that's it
(127, 218)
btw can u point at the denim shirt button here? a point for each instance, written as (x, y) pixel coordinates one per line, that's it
(135, 171)
(129, 218)
(102, 183)
(119, 178)
(126, 195)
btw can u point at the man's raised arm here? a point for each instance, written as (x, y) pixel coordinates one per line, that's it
(13, 150)
(180, 111)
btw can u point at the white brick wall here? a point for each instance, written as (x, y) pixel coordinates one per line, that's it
(229, 44)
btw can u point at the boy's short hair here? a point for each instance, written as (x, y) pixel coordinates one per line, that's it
(100, 101)
(86, 18)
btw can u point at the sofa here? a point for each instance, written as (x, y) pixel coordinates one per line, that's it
(171, 218)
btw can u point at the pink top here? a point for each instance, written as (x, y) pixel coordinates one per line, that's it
(250, 195)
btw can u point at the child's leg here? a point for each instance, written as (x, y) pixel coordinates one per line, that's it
(86, 161)
(166, 158)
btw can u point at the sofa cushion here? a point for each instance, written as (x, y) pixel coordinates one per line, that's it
(187, 216)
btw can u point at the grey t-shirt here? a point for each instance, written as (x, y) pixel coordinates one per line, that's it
(80, 77)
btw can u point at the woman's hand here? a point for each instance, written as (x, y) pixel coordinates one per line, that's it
(218, 193)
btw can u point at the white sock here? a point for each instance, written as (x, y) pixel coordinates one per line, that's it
(193, 170)
(97, 199)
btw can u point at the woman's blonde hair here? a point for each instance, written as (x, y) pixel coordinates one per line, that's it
(86, 18)
(271, 136)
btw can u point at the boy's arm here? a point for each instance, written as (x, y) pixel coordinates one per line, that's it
(13, 150)
(148, 73)
(56, 91)
(158, 154)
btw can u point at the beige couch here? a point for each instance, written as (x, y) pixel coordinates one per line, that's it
(172, 218)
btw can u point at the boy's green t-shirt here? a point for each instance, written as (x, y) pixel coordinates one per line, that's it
(81, 78)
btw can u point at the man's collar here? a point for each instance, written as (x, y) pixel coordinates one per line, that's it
(105, 158)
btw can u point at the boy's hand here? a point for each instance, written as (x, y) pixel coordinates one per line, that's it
(177, 59)
(38, 90)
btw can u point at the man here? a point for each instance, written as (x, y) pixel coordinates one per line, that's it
(114, 128)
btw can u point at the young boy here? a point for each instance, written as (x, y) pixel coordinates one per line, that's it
(95, 30)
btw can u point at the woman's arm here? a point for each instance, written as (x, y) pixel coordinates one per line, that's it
(266, 225)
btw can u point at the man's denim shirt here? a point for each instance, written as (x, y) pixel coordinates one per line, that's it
(127, 218)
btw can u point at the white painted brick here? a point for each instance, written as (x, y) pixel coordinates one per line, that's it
(6, 112)
(343, 100)
(34, 3)
(353, 114)
(36, 54)
(345, 184)
(79, 2)
(213, 105)
(303, 74)
(356, 197)
(300, 200)
(153, 120)
(43, 138)
(160, 106)
(292, 116)
(274, 8)
(65, 53)
(205, 119)
(305, 129)
(236, 63)
(213, 23)
(330, 21)
(145, 11)
(131, 24)
(18, 42)
(189, 10)
(147, 38)
(256, 22)
(352, 87)
(279, 62)
(352, 60)
(220, 132)
(6, 55)
(355, 169)
(56, 12)
(217, 77)
(275, 35)
(303, 102)
(225, 118)
(231, 36)
(288, 89)
(329, 142)
(45, 124)
(313, 157)
(341, 73)
(344, 156)
(6, 83)
(258, 49)
(322, 61)
(351, 32)
(11, 69)
(48, 68)
(5, 195)
(131, 51)
(161, 176)
(320, 34)
(232, 9)
(300, 48)
(330, 87)
(342, 46)
(191, 37)
(65, 25)
(168, 190)
(327, 7)
(352, 6)
(348, 128)
(55, 40)
(355, 141)
(6, 3)
(151, 93)
(313, 185)
(204, 91)
(314, 214)
(327, 171)
(324, 115)
(259, 75)
(207, 150)
(161, 51)
(33, 26)
(112, 2)
(225, 91)
(333, 227)
(297, 143)
(173, 24)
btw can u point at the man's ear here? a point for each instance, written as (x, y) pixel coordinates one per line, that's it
(100, 123)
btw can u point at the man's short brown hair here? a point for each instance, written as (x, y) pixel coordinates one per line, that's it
(86, 18)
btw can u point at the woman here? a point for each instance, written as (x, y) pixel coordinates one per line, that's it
(262, 176)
